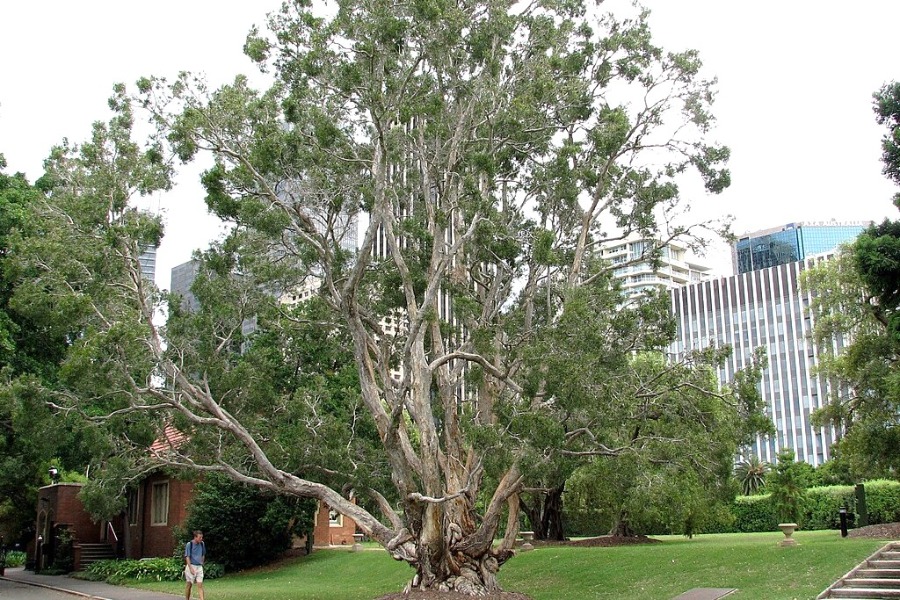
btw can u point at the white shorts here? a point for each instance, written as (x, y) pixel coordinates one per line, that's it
(196, 576)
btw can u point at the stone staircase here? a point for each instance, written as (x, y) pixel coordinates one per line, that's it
(878, 577)
(91, 553)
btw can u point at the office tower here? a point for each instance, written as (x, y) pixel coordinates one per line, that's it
(148, 262)
(764, 308)
(183, 276)
(791, 242)
(637, 272)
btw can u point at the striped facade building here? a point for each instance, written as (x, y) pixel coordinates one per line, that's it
(764, 308)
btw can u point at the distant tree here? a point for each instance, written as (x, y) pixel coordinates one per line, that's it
(887, 113)
(857, 308)
(751, 475)
(681, 434)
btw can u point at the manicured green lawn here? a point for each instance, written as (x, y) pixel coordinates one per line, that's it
(753, 563)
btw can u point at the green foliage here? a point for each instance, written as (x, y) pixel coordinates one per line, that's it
(755, 513)
(15, 558)
(883, 501)
(887, 113)
(118, 572)
(243, 526)
(822, 505)
(786, 485)
(64, 560)
(751, 475)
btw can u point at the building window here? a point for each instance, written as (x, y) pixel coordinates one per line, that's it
(133, 507)
(335, 519)
(159, 504)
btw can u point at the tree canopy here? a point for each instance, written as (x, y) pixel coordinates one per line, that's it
(485, 152)
(857, 309)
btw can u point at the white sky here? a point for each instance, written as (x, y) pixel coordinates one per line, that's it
(795, 84)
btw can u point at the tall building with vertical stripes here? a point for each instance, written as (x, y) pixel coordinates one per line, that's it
(765, 308)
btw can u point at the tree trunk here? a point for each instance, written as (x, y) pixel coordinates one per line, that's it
(552, 521)
(622, 528)
(546, 516)
(456, 572)
(446, 558)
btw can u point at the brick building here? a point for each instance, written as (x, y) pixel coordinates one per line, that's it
(155, 507)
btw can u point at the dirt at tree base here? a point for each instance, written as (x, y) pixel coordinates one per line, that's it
(435, 595)
(888, 531)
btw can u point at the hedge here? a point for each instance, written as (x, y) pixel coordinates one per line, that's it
(883, 501)
(147, 569)
(820, 510)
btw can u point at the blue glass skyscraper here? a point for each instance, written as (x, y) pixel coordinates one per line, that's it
(790, 243)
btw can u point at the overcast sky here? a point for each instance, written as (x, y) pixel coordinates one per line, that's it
(794, 103)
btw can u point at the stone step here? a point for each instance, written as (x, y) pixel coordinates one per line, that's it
(872, 582)
(879, 573)
(880, 563)
(891, 554)
(865, 593)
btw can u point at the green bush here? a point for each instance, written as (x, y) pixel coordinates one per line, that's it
(754, 513)
(883, 501)
(822, 507)
(15, 558)
(244, 526)
(147, 569)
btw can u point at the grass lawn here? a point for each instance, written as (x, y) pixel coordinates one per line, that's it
(753, 563)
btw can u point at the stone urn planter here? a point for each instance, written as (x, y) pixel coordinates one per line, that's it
(788, 530)
(527, 536)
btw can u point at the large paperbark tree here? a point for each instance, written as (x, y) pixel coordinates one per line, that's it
(487, 149)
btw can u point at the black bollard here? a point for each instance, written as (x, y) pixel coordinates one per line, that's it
(843, 513)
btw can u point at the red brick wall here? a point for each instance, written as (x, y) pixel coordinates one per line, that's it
(159, 540)
(327, 534)
(60, 502)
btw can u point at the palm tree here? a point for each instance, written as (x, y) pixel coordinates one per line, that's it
(751, 474)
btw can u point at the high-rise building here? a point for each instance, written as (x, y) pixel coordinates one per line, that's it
(637, 273)
(183, 276)
(763, 305)
(790, 243)
(764, 308)
(148, 262)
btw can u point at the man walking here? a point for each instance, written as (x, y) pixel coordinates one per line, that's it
(194, 557)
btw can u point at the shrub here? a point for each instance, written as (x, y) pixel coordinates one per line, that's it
(883, 501)
(786, 482)
(822, 506)
(15, 558)
(754, 513)
(147, 569)
(243, 526)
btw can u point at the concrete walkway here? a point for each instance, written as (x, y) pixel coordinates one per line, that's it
(85, 589)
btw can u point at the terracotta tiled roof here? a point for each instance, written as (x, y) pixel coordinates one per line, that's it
(171, 439)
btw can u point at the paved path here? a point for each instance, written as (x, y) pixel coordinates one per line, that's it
(13, 587)
(13, 590)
